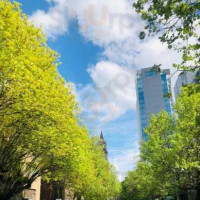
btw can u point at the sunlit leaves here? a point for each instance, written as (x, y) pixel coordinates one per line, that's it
(176, 23)
(40, 132)
(172, 152)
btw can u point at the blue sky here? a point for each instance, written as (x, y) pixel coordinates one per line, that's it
(100, 53)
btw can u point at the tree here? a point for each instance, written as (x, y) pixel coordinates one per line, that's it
(157, 174)
(187, 138)
(171, 154)
(140, 184)
(177, 24)
(160, 151)
(100, 182)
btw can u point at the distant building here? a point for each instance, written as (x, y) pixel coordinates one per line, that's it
(104, 144)
(33, 193)
(153, 95)
(183, 79)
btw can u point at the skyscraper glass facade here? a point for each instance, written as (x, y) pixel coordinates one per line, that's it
(153, 88)
(142, 111)
(165, 92)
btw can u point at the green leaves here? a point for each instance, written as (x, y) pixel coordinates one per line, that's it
(171, 155)
(176, 23)
(142, 35)
(40, 133)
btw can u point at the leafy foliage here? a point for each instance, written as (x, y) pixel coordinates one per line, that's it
(177, 24)
(40, 134)
(170, 158)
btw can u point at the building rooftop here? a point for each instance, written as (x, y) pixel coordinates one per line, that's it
(151, 69)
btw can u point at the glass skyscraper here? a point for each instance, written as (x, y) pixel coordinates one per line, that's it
(153, 87)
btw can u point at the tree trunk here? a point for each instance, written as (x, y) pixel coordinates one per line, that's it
(78, 197)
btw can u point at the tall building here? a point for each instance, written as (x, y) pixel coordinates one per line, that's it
(183, 79)
(153, 87)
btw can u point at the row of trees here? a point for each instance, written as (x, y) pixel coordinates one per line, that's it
(40, 133)
(170, 159)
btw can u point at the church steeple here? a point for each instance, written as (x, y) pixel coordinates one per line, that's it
(103, 143)
(101, 136)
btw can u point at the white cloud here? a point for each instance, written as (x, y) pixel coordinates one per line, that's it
(102, 22)
(55, 20)
(113, 92)
(113, 25)
(139, 54)
(153, 52)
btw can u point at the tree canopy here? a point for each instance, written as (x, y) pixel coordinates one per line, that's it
(40, 133)
(170, 158)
